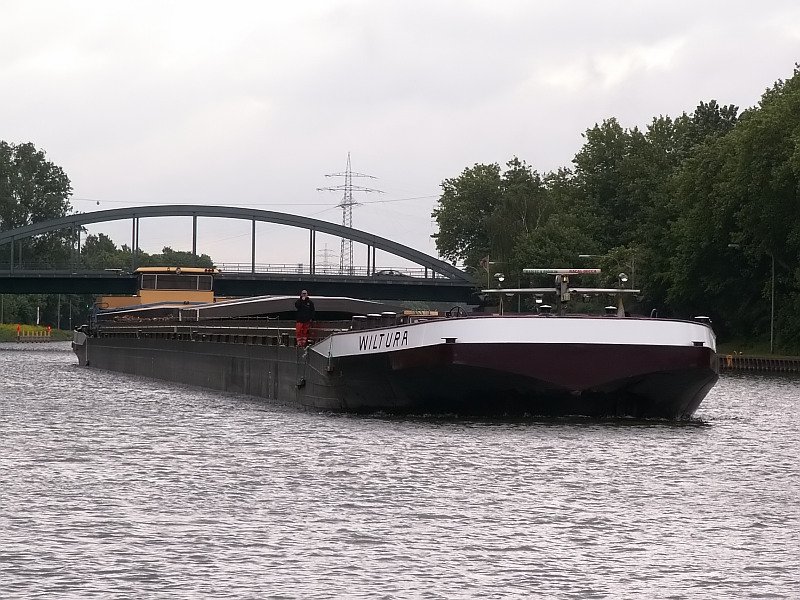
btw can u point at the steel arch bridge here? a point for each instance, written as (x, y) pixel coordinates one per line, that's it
(373, 242)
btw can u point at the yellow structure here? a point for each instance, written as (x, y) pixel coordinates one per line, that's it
(166, 284)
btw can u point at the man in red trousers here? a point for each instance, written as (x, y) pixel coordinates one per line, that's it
(305, 314)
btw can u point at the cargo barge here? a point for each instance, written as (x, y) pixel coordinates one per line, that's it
(370, 357)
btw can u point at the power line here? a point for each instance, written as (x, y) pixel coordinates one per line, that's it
(386, 200)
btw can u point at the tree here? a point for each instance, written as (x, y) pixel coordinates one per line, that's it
(626, 179)
(463, 211)
(603, 174)
(764, 188)
(516, 217)
(740, 188)
(100, 252)
(486, 211)
(174, 258)
(33, 189)
(524, 207)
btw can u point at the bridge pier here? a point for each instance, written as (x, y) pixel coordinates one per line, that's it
(253, 248)
(312, 250)
(370, 259)
(134, 242)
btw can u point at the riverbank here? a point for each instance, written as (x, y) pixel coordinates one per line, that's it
(749, 356)
(8, 332)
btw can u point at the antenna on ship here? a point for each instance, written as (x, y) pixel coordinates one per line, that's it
(347, 203)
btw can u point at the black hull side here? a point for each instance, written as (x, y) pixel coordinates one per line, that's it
(501, 379)
(278, 373)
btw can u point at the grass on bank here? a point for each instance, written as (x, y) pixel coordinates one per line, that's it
(755, 348)
(8, 332)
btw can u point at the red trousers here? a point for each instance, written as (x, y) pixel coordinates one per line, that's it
(301, 331)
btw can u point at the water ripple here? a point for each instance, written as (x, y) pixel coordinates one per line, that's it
(114, 486)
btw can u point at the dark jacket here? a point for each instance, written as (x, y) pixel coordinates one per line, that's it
(305, 310)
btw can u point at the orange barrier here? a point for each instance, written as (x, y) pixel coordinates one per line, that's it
(35, 335)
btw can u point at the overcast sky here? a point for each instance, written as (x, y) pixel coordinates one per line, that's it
(252, 103)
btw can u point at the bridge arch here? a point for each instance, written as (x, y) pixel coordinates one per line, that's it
(372, 241)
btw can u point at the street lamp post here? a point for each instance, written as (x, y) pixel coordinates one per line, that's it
(487, 265)
(500, 279)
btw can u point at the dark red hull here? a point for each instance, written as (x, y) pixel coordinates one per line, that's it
(531, 379)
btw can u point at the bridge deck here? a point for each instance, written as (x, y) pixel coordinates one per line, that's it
(246, 284)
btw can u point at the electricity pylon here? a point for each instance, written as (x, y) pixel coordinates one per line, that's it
(326, 255)
(347, 203)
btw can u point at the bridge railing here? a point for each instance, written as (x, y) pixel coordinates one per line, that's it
(301, 268)
(29, 265)
(77, 265)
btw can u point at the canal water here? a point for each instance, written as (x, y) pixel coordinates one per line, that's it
(115, 486)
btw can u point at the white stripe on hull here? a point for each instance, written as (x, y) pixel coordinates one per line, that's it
(524, 330)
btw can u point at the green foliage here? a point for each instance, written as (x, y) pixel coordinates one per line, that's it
(463, 213)
(66, 310)
(173, 258)
(33, 189)
(554, 243)
(737, 201)
(604, 171)
(503, 214)
(100, 252)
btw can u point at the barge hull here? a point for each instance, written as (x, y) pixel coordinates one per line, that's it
(445, 378)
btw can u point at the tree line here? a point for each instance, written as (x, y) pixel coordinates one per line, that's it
(699, 206)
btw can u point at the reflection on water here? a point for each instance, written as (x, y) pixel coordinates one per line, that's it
(119, 486)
